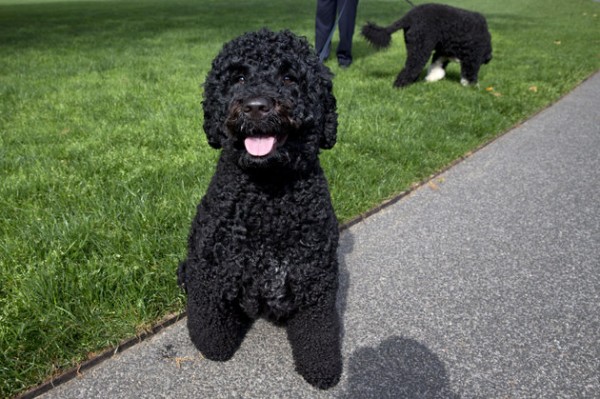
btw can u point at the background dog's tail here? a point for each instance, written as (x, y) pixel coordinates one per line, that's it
(379, 36)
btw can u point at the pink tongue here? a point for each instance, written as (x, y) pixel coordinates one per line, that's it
(259, 146)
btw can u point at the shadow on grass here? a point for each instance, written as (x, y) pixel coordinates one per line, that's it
(104, 23)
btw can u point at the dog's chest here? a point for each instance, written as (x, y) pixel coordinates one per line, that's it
(272, 232)
(268, 257)
(273, 241)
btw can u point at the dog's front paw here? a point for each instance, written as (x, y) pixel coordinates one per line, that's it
(466, 82)
(322, 375)
(323, 381)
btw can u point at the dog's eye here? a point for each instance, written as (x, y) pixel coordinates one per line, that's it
(288, 79)
(240, 79)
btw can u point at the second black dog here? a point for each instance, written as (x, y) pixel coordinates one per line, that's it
(452, 34)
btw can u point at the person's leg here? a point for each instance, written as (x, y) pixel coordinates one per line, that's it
(325, 20)
(347, 22)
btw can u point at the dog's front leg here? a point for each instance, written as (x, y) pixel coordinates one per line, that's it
(216, 329)
(314, 335)
(468, 72)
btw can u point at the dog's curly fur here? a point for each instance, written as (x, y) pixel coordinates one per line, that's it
(264, 239)
(451, 33)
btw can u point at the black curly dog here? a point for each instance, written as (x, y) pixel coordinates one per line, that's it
(265, 236)
(451, 33)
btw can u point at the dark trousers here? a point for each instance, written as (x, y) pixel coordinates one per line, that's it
(327, 11)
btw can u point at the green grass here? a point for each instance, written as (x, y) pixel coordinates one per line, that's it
(103, 159)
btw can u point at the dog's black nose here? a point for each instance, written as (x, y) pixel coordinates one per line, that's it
(257, 107)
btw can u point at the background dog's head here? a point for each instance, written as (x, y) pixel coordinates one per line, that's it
(268, 101)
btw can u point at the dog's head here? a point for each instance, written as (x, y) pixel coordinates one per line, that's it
(268, 101)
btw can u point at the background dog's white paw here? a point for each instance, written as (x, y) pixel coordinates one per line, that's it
(436, 72)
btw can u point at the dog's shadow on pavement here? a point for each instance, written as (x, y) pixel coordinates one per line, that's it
(398, 368)
(346, 245)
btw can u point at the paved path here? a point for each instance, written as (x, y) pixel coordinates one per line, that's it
(484, 283)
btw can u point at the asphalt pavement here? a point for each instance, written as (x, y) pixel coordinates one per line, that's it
(482, 283)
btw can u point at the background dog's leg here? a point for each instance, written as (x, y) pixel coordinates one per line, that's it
(417, 55)
(468, 72)
(314, 335)
(437, 69)
(217, 333)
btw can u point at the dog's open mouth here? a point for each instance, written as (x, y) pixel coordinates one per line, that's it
(262, 146)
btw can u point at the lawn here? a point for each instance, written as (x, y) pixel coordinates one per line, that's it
(103, 158)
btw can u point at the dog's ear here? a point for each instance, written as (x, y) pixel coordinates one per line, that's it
(329, 129)
(214, 122)
(213, 126)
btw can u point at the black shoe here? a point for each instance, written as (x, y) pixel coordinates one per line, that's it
(344, 62)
